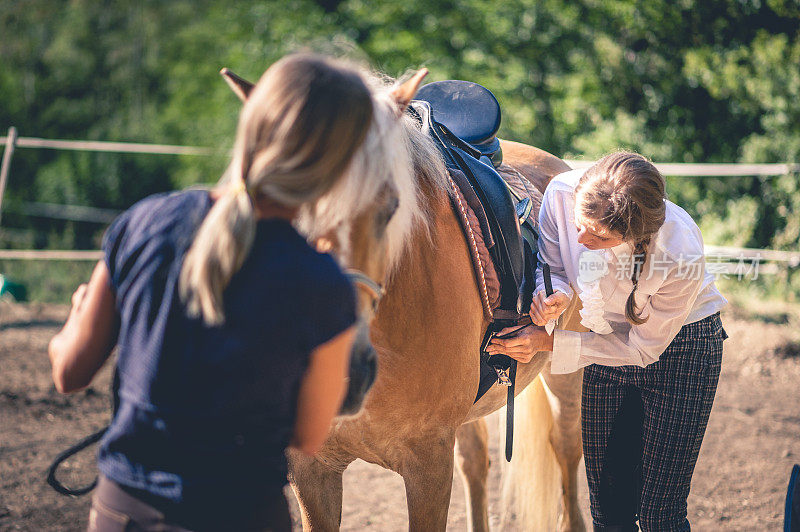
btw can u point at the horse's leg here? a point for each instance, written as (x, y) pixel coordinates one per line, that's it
(472, 460)
(318, 488)
(428, 475)
(564, 395)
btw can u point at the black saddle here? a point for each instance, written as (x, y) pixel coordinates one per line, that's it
(495, 200)
(470, 111)
(462, 118)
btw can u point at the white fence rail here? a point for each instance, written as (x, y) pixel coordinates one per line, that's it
(48, 254)
(671, 169)
(116, 147)
(792, 258)
(713, 169)
(720, 260)
(723, 254)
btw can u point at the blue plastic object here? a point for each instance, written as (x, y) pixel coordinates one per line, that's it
(10, 289)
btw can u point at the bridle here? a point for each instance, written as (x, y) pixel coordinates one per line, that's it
(365, 282)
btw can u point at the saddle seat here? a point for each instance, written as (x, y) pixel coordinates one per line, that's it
(470, 111)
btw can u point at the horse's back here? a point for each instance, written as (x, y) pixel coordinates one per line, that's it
(535, 164)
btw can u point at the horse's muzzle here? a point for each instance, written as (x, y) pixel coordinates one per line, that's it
(363, 368)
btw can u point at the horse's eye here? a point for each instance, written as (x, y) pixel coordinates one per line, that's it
(385, 214)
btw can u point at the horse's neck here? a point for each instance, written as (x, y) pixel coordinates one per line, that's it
(435, 270)
(431, 317)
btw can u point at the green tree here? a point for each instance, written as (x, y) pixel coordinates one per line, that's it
(685, 80)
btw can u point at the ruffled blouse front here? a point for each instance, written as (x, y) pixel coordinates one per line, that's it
(589, 290)
(593, 306)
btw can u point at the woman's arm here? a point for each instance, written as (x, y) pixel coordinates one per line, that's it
(553, 241)
(322, 392)
(79, 350)
(642, 344)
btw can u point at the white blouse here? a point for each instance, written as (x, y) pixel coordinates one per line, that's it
(674, 286)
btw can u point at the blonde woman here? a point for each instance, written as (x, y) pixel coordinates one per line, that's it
(234, 335)
(654, 346)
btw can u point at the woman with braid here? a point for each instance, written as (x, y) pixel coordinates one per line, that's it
(653, 351)
(233, 334)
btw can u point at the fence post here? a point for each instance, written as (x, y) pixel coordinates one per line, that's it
(11, 142)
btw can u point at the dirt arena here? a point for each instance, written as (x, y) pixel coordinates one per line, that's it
(740, 482)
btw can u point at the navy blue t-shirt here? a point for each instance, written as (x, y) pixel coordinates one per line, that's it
(205, 411)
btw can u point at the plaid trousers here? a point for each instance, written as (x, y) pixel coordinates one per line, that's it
(642, 430)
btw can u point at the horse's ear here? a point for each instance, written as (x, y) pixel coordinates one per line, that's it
(241, 87)
(404, 93)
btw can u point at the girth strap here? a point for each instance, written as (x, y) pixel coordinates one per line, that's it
(512, 374)
(505, 369)
(505, 366)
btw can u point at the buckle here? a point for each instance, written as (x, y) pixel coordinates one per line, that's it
(503, 378)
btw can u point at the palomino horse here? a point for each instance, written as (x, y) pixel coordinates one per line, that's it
(427, 331)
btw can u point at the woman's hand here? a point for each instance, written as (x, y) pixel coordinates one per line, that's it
(521, 346)
(545, 308)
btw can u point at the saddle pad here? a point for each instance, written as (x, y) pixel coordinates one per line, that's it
(485, 273)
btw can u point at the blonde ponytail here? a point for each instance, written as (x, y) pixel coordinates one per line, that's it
(220, 247)
(297, 134)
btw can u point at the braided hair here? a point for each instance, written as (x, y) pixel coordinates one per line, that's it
(639, 254)
(625, 193)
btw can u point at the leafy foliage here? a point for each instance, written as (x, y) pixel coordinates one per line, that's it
(678, 80)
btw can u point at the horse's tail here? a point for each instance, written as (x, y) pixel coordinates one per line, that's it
(532, 482)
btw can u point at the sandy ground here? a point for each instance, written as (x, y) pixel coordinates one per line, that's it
(740, 482)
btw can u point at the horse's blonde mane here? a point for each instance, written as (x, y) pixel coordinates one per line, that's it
(397, 155)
